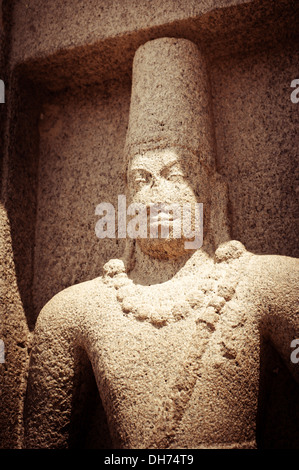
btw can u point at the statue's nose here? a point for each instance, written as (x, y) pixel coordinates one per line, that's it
(157, 183)
(159, 191)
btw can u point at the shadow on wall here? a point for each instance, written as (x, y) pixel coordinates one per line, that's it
(21, 184)
(278, 407)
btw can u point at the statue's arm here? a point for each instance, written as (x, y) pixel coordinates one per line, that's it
(278, 278)
(50, 387)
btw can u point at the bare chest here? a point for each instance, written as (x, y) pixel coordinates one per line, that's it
(158, 359)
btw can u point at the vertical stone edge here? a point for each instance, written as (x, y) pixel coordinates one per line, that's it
(13, 326)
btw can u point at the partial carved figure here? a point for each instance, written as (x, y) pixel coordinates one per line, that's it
(174, 335)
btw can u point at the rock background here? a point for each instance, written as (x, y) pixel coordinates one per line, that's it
(67, 68)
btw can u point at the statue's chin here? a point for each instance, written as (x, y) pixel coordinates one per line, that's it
(163, 248)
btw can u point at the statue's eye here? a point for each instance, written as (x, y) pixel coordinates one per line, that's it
(176, 177)
(142, 177)
(173, 173)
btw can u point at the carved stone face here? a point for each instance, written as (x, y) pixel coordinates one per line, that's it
(161, 177)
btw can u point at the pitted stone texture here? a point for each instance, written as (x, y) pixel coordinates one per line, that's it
(80, 166)
(48, 28)
(60, 49)
(170, 100)
(184, 385)
(256, 126)
(166, 380)
(262, 204)
(53, 45)
(15, 335)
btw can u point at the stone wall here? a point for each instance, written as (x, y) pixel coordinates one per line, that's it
(62, 137)
(13, 325)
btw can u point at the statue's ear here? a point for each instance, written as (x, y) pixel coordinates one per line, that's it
(219, 217)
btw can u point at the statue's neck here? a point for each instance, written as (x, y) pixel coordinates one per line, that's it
(147, 270)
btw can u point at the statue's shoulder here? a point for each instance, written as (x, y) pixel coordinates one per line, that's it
(266, 276)
(71, 305)
(72, 302)
(273, 280)
(274, 268)
(267, 266)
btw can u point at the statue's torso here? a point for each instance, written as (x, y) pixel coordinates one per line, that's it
(193, 380)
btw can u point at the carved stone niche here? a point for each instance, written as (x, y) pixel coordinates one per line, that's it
(163, 348)
(174, 335)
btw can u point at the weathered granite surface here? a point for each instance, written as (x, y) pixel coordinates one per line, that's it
(62, 137)
(177, 339)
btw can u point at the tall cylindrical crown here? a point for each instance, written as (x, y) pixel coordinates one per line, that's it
(170, 101)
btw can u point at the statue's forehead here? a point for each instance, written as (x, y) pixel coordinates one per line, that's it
(154, 159)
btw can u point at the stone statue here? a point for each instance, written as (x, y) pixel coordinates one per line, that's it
(174, 335)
